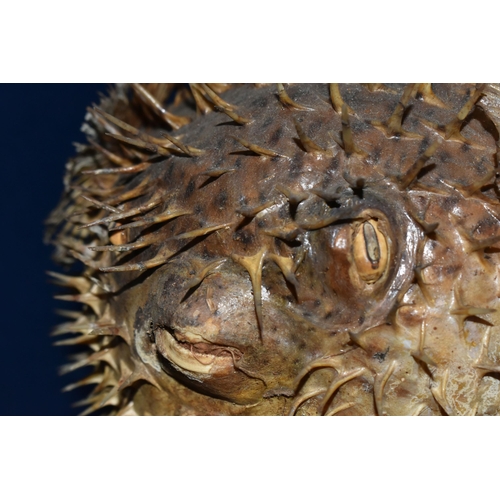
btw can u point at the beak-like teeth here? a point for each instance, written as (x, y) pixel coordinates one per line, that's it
(184, 357)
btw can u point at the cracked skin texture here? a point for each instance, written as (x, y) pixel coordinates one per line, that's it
(305, 249)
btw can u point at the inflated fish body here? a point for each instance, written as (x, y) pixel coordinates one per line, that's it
(305, 249)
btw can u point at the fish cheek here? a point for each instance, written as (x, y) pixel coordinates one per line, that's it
(339, 268)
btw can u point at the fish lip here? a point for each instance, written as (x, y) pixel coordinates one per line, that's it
(191, 353)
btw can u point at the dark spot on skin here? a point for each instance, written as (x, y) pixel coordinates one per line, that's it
(190, 188)
(465, 147)
(411, 122)
(276, 136)
(217, 165)
(198, 209)
(359, 126)
(375, 154)
(268, 121)
(314, 127)
(451, 270)
(170, 170)
(388, 164)
(263, 197)
(181, 174)
(361, 320)
(296, 165)
(261, 223)
(380, 356)
(423, 146)
(431, 114)
(220, 143)
(244, 236)
(260, 102)
(237, 163)
(334, 164)
(485, 224)
(221, 200)
(444, 156)
(449, 203)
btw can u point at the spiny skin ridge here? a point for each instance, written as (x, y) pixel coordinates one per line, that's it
(223, 232)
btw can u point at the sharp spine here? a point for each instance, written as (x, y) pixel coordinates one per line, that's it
(112, 157)
(259, 150)
(288, 102)
(337, 100)
(453, 127)
(224, 106)
(188, 150)
(406, 179)
(139, 143)
(199, 232)
(128, 213)
(174, 121)
(253, 265)
(308, 144)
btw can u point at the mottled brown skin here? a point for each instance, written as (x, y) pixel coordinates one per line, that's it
(267, 313)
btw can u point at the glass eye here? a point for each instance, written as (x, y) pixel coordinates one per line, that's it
(370, 251)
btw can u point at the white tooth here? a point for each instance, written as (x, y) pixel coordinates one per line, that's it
(169, 348)
(194, 338)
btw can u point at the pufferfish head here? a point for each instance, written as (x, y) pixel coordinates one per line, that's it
(315, 249)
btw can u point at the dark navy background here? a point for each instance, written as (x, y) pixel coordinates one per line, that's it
(38, 124)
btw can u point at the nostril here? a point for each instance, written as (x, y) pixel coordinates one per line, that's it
(150, 332)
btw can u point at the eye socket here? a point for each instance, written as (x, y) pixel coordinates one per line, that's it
(369, 251)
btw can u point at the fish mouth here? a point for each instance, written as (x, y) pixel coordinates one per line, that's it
(190, 352)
